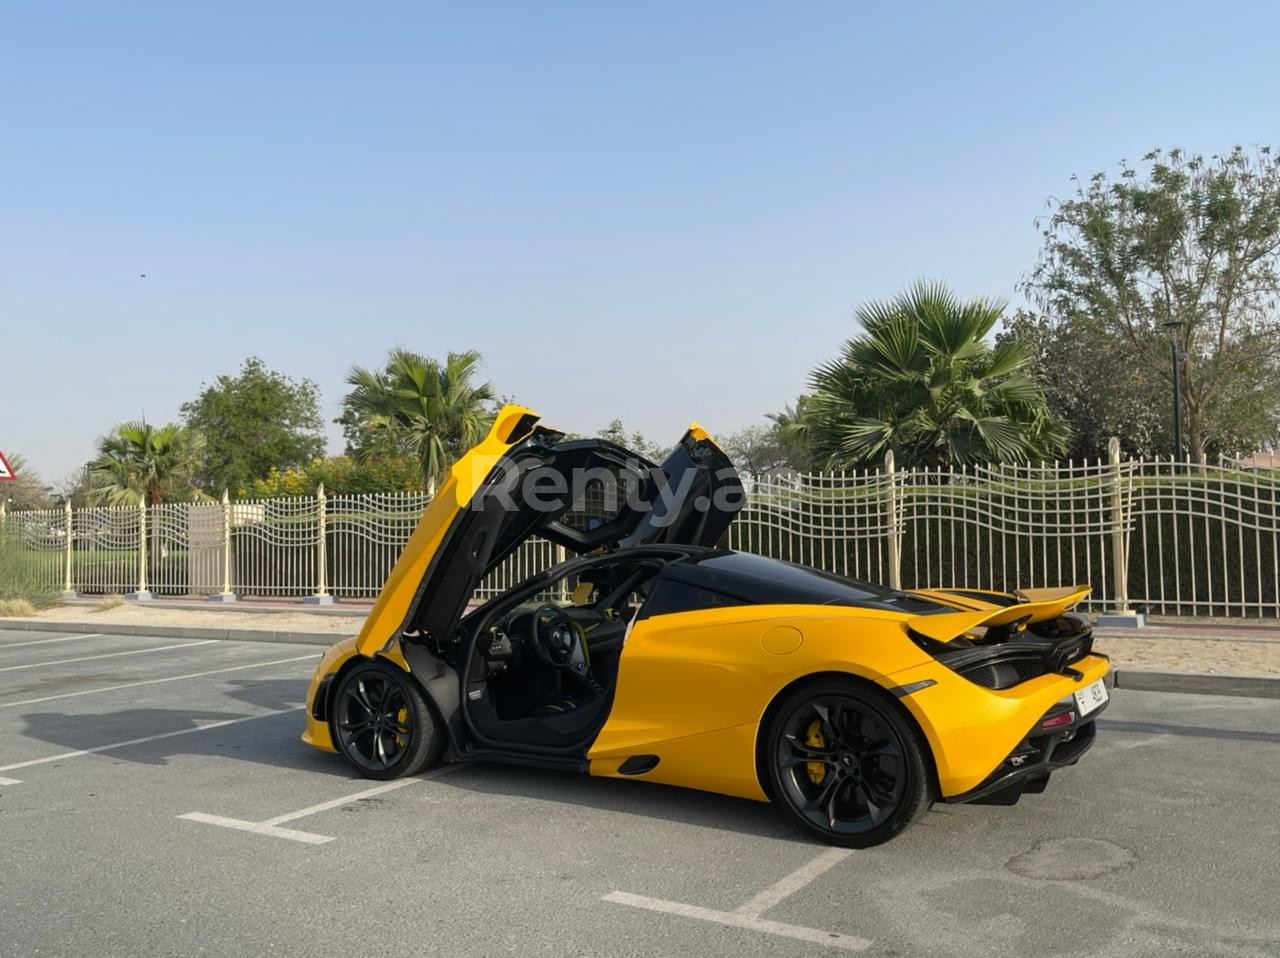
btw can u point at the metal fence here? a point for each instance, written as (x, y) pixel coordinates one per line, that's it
(1166, 537)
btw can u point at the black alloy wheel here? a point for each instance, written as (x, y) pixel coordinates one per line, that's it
(382, 722)
(847, 765)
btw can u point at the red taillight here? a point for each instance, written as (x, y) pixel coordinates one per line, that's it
(1055, 721)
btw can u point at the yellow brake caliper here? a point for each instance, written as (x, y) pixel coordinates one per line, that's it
(817, 771)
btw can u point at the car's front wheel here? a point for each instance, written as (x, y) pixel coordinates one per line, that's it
(846, 764)
(382, 722)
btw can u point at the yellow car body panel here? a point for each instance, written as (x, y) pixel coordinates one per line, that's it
(690, 683)
(971, 729)
(701, 435)
(694, 686)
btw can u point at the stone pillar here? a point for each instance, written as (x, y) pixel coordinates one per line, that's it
(1121, 616)
(226, 595)
(322, 596)
(142, 594)
(68, 590)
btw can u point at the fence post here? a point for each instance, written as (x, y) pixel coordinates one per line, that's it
(891, 516)
(142, 594)
(322, 596)
(226, 595)
(1122, 615)
(67, 591)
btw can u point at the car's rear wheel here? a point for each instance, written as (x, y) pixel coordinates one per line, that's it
(846, 764)
(382, 722)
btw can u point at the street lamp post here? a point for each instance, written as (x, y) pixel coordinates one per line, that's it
(1176, 358)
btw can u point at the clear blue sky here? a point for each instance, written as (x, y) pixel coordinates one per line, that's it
(656, 211)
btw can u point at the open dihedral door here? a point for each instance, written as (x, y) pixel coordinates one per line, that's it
(526, 480)
(425, 556)
(698, 496)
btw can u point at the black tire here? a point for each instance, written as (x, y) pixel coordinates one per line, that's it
(846, 764)
(382, 723)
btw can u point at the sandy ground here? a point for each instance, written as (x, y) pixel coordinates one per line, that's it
(135, 614)
(1225, 656)
(1214, 656)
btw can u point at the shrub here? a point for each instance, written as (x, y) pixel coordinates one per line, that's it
(109, 602)
(341, 475)
(16, 607)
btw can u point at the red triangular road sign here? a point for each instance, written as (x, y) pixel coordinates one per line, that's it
(5, 471)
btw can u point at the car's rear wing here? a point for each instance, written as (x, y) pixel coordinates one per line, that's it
(1038, 605)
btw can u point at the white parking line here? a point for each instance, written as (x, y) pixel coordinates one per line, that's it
(348, 799)
(62, 756)
(167, 678)
(61, 638)
(748, 915)
(736, 920)
(106, 655)
(271, 827)
(792, 883)
(258, 828)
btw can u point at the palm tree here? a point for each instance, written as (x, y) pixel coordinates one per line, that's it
(922, 380)
(140, 462)
(421, 407)
(791, 427)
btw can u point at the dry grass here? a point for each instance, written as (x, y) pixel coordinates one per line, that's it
(16, 608)
(109, 602)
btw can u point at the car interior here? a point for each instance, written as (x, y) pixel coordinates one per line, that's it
(543, 660)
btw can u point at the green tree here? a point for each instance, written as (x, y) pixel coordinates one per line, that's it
(1071, 359)
(922, 380)
(137, 461)
(420, 407)
(1184, 240)
(254, 422)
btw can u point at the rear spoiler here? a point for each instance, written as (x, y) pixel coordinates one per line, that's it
(1039, 605)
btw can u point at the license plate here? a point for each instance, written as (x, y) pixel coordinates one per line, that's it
(1091, 697)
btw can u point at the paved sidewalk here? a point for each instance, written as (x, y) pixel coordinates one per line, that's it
(267, 606)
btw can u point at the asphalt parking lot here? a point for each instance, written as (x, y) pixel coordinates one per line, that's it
(155, 800)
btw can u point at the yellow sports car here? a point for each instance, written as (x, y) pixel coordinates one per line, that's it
(650, 653)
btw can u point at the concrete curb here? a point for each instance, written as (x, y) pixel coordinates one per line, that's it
(1196, 683)
(177, 632)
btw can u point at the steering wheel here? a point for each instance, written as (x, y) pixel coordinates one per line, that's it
(556, 639)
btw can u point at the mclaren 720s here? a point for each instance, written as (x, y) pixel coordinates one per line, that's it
(649, 652)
